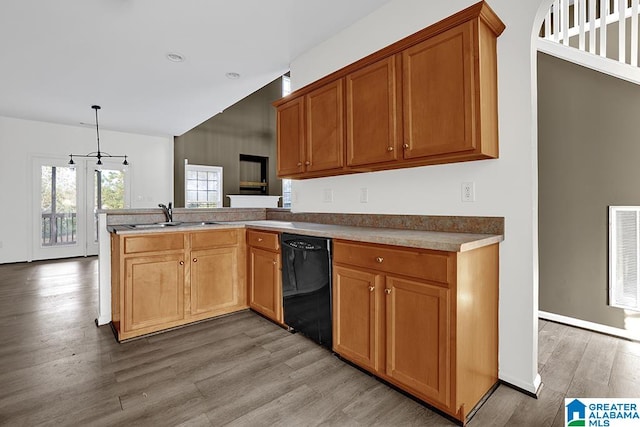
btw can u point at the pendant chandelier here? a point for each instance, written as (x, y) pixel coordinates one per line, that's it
(97, 154)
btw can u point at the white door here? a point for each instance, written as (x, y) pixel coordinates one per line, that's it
(107, 188)
(58, 202)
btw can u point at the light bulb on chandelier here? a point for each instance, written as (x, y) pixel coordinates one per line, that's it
(99, 155)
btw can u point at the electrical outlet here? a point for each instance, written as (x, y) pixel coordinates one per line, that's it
(327, 195)
(364, 195)
(468, 192)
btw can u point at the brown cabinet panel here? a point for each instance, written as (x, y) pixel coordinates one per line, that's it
(214, 280)
(291, 137)
(325, 127)
(430, 98)
(437, 341)
(373, 114)
(153, 291)
(213, 239)
(438, 89)
(264, 240)
(265, 289)
(154, 243)
(422, 263)
(357, 328)
(418, 331)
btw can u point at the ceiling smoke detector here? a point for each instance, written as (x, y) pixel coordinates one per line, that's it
(233, 76)
(175, 57)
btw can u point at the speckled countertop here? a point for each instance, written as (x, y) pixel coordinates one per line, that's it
(436, 240)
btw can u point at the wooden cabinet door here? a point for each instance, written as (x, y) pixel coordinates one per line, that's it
(153, 291)
(373, 114)
(265, 289)
(214, 280)
(418, 349)
(438, 94)
(357, 316)
(291, 142)
(325, 127)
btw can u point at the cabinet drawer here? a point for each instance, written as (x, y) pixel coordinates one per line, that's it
(213, 239)
(264, 240)
(429, 265)
(153, 243)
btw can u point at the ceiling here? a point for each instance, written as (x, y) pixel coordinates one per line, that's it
(60, 57)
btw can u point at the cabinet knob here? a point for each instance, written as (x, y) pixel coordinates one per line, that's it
(379, 259)
(181, 263)
(307, 163)
(259, 239)
(299, 163)
(371, 288)
(275, 262)
(389, 149)
(195, 260)
(405, 146)
(387, 291)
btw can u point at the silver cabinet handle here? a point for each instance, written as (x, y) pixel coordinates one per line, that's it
(379, 259)
(387, 291)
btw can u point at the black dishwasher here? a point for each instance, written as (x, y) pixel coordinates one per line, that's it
(306, 286)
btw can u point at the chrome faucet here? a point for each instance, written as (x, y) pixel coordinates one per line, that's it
(167, 211)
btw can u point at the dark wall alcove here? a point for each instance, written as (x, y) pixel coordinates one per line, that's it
(247, 128)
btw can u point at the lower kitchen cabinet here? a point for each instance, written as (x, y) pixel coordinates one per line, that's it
(265, 282)
(164, 280)
(153, 291)
(357, 325)
(425, 321)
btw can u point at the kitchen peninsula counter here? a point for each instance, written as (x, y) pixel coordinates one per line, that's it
(434, 240)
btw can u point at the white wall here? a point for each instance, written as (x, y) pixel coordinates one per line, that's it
(504, 187)
(151, 160)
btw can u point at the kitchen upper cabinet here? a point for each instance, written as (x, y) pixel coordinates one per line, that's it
(265, 287)
(325, 128)
(373, 114)
(311, 132)
(430, 98)
(291, 138)
(438, 88)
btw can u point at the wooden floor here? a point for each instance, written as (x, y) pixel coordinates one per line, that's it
(58, 368)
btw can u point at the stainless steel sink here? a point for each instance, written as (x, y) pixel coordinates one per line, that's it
(155, 225)
(202, 223)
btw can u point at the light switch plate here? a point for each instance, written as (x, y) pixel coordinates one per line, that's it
(364, 195)
(327, 195)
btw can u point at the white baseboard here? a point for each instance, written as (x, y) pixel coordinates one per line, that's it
(529, 388)
(597, 327)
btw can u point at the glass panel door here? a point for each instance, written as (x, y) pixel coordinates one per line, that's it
(109, 185)
(57, 221)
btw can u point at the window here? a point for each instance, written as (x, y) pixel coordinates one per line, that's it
(286, 183)
(286, 193)
(286, 85)
(624, 253)
(203, 186)
(58, 208)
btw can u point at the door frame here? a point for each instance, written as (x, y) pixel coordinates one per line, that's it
(39, 252)
(92, 247)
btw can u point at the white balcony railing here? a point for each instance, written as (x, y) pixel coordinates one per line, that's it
(585, 24)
